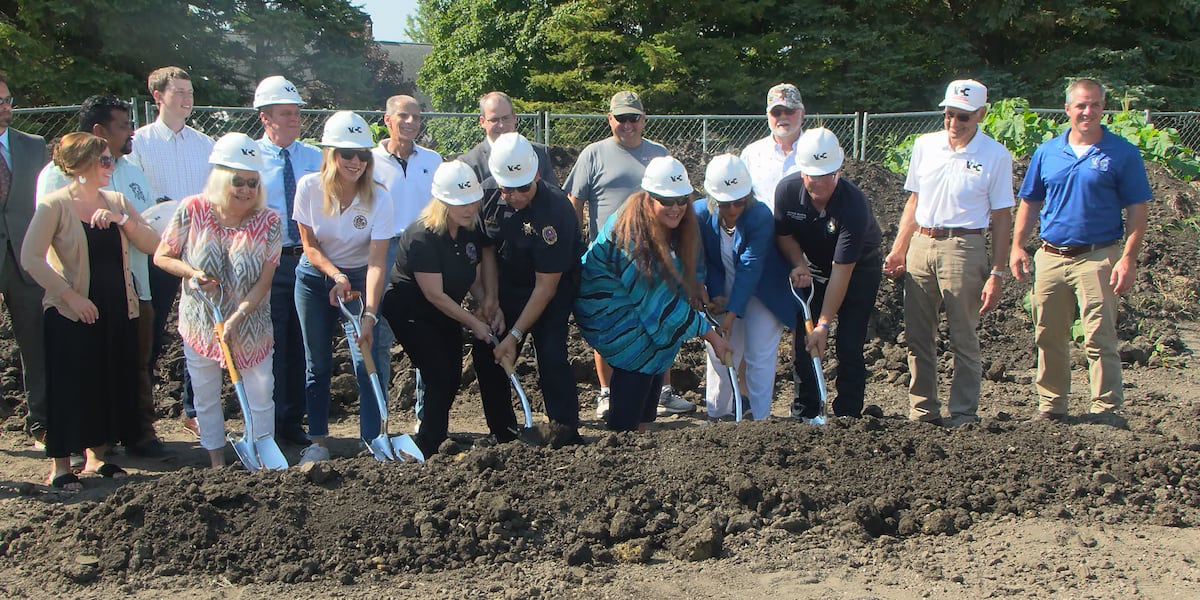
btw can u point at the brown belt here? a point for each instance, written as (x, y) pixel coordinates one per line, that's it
(945, 232)
(1073, 251)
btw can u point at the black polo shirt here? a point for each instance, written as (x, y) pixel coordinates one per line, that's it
(544, 237)
(423, 251)
(846, 232)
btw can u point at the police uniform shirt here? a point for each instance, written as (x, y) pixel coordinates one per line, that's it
(845, 232)
(544, 237)
(423, 251)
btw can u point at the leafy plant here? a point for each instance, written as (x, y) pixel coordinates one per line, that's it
(1021, 130)
(1157, 145)
(897, 157)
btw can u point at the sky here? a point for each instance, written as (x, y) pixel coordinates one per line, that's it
(389, 17)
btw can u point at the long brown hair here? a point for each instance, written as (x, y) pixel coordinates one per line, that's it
(638, 231)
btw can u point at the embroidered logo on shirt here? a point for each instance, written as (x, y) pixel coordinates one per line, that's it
(472, 252)
(360, 222)
(549, 235)
(137, 192)
(1100, 163)
(797, 215)
(974, 165)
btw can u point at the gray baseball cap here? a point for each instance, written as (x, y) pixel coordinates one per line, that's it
(626, 103)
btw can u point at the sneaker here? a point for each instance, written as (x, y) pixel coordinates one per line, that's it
(293, 434)
(39, 439)
(191, 426)
(151, 448)
(314, 453)
(671, 403)
(602, 404)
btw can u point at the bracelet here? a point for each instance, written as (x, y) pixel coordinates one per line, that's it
(367, 313)
(123, 221)
(825, 325)
(516, 333)
(335, 276)
(996, 273)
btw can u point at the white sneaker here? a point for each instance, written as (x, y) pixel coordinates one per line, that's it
(671, 403)
(314, 453)
(602, 405)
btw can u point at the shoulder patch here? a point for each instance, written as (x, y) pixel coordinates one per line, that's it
(549, 235)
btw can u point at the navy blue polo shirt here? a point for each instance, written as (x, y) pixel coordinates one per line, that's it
(543, 237)
(423, 251)
(1083, 196)
(845, 233)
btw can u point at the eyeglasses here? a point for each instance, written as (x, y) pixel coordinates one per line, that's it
(778, 111)
(628, 118)
(363, 155)
(960, 117)
(7, 100)
(107, 162)
(239, 182)
(675, 201)
(519, 190)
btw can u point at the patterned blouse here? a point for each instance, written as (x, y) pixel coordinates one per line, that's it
(236, 257)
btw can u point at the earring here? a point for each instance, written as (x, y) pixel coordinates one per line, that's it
(82, 180)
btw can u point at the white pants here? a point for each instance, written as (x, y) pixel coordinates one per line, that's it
(755, 340)
(207, 377)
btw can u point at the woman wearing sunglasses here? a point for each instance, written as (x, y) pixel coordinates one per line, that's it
(345, 222)
(746, 281)
(639, 295)
(226, 237)
(77, 249)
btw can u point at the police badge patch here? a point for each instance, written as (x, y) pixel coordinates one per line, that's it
(527, 228)
(360, 222)
(549, 235)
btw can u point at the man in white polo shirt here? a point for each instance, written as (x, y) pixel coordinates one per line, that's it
(960, 181)
(774, 156)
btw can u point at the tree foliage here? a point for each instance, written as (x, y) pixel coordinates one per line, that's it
(878, 55)
(59, 51)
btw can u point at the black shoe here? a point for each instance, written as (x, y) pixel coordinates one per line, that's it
(293, 435)
(152, 448)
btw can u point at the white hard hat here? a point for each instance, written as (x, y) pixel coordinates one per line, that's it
(345, 129)
(513, 162)
(666, 177)
(276, 90)
(455, 184)
(159, 215)
(727, 179)
(818, 152)
(237, 151)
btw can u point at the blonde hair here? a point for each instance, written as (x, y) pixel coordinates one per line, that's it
(331, 186)
(216, 189)
(639, 233)
(78, 151)
(435, 216)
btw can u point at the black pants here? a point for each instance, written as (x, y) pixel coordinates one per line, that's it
(633, 399)
(555, 376)
(853, 318)
(164, 289)
(287, 365)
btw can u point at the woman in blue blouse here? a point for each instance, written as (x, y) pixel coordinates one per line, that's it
(747, 280)
(639, 293)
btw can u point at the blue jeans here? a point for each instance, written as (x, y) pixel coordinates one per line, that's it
(317, 320)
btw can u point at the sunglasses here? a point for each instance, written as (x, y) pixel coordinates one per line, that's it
(960, 117)
(107, 162)
(363, 155)
(779, 111)
(734, 204)
(239, 182)
(675, 201)
(6, 100)
(520, 190)
(627, 118)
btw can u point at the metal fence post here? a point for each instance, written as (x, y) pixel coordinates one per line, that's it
(704, 133)
(866, 128)
(857, 136)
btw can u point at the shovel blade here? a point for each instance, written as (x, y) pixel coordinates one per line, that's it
(245, 453)
(270, 457)
(406, 448)
(381, 448)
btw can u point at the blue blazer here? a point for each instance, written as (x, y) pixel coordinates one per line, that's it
(761, 270)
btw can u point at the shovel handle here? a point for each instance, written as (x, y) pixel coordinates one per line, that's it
(234, 376)
(808, 329)
(727, 359)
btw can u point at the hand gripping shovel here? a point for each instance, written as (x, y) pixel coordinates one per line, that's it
(727, 360)
(526, 433)
(816, 358)
(382, 448)
(256, 453)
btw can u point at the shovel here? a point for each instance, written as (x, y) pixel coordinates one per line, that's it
(382, 448)
(816, 358)
(256, 453)
(727, 360)
(526, 433)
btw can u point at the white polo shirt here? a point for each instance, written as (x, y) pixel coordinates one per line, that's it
(345, 237)
(409, 189)
(959, 188)
(768, 163)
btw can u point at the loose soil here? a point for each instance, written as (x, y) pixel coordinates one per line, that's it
(877, 507)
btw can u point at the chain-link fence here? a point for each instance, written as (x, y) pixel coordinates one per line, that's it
(1186, 123)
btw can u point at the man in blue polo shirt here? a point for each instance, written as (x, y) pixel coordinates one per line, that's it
(1077, 185)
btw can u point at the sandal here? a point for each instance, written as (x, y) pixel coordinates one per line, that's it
(62, 480)
(110, 471)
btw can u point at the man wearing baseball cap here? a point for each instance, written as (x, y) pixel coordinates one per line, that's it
(606, 173)
(960, 184)
(774, 156)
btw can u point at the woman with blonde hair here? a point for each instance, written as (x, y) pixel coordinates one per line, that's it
(345, 223)
(77, 249)
(226, 237)
(639, 295)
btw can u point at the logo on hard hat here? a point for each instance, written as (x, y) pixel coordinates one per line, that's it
(513, 167)
(730, 182)
(821, 156)
(677, 178)
(248, 152)
(354, 129)
(288, 88)
(464, 185)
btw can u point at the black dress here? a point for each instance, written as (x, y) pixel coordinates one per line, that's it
(90, 369)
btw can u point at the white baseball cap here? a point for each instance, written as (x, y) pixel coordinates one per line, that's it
(965, 94)
(345, 129)
(666, 177)
(727, 179)
(237, 151)
(276, 90)
(513, 162)
(818, 152)
(455, 184)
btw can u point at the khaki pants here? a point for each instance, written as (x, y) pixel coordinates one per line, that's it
(1061, 284)
(948, 272)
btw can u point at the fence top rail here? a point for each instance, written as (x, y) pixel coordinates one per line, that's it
(901, 115)
(42, 109)
(328, 111)
(693, 117)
